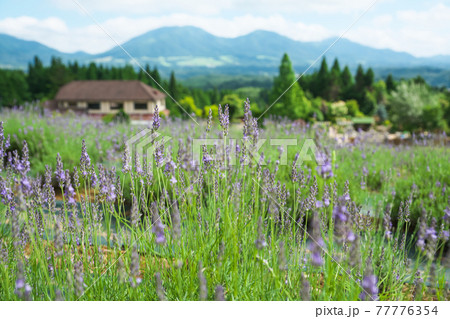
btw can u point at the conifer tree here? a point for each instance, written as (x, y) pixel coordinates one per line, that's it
(390, 83)
(292, 103)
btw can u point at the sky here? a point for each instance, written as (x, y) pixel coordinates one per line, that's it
(421, 28)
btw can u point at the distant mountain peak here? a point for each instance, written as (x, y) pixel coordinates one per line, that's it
(189, 50)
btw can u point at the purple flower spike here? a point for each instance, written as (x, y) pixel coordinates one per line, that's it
(224, 119)
(316, 244)
(156, 119)
(85, 161)
(60, 174)
(325, 170)
(370, 288)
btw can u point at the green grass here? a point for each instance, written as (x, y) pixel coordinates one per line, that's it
(217, 214)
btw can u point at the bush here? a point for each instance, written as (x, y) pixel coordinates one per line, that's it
(352, 107)
(407, 106)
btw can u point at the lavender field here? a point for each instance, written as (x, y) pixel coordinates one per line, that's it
(251, 216)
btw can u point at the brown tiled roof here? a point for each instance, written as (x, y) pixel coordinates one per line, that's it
(108, 90)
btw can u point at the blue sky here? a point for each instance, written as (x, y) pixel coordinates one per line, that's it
(421, 28)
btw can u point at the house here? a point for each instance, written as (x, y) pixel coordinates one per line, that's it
(102, 97)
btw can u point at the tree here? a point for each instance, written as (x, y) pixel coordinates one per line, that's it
(74, 70)
(353, 108)
(322, 83)
(58, 75)
(235, 105)
(189, 106)
(128, 73)
(13, 87)
(346, 77)
(201, 98)
(408, 103)
(381, 113)
(214, 110)
(335, 81)
(360, 79)
(37, 79)
(293, 102)
(369, 78)
(347, 84)
(91, 73)
(369, 102)
(215, 96)
(390, 83)
(156, 81)
(173, 88)
(142, 75)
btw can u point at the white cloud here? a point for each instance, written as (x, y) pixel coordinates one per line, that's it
(30, 28)
(208, 7)
(93, 40)
(422, 33)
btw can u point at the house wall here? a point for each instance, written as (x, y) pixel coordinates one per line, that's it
(105, 106)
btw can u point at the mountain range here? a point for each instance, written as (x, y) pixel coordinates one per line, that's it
(190, 51)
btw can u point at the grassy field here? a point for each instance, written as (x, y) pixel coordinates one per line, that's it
(241, 222)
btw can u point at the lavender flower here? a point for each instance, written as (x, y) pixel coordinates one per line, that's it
(417, 285)
(25, 158)
(209, 121)
(76, 178)
(107, 188)
(22, 289)
(261, 241)
(370, 288)
(220, 294)
(432, 237)
(60, 174)
(355, 253)
(202, 283)
(158, 226)
(126, 168)
(325, 170)
(159, 287)
(326, 196)
(78, 276)
(159, 155)
(158, 230)
(305, 291)
(224, 119)
(176, 222)
(156, 119)
(421, 234)
(447, 214)
(135, 215)
(134, 268)
(6, 193)
(49, 192)
(93, 175)
(247, 119)
(2, 145)
(387, 222)
(120, 271)
(341, 220)
(69, 192)
(316, 244)
(85, 161)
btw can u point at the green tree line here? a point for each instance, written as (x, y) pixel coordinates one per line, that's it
(332, 93)
(325, 94)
